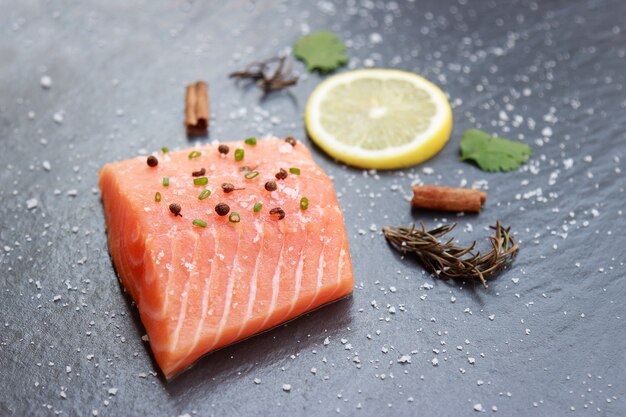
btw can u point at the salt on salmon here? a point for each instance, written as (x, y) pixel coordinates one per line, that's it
(201, 288)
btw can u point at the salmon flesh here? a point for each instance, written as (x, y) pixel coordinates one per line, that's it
(202, 280)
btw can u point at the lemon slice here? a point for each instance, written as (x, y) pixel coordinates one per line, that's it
(379, 118)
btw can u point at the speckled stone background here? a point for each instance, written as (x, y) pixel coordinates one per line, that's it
(547, 337)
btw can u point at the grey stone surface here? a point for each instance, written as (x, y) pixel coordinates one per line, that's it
(546, 338)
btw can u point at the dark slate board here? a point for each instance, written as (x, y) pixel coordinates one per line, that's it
(547, 337)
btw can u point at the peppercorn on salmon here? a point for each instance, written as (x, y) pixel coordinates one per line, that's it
(214, 257)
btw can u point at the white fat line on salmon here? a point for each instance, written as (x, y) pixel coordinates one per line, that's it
(320, 273)
(275, 283)
(205, 302)
(342, 253)
(253, 286)
(191, 274)
(298, 274)
(163, 313)
(229, 293)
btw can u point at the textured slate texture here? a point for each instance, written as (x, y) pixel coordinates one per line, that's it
(546, 338)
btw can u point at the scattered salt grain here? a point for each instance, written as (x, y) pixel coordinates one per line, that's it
(31, 203)
(478, 407)
(375, 38)
(58, 117)
(405, 359)
(46, 81)
(286, 387)
(568, 163)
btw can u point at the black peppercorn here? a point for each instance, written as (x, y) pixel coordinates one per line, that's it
(199, 173)
(270, 186)
(222, 209)
(223, 149)
(291, 141)
(281, 175)
(278, 211)
(152, 161)
(175, 209)
(228, 187)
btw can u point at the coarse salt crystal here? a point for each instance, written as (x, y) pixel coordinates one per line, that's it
(45, 81)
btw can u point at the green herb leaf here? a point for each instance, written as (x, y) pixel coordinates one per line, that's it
(239, 153)
(257, 207)
(491, 153)
(321, 51)
(201, 181)
(294, 171)
(157, 197)
(304, 203)
(250, 141)
(166, 181)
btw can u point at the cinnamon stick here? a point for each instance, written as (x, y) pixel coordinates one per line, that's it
(448, 199)
(197, 108)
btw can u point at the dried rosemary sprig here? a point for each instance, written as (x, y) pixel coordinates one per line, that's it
(269, 75)
(449, 261)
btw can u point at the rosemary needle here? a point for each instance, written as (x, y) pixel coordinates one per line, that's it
(449, 261)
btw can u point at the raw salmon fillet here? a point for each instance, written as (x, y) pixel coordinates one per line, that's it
(201, 288)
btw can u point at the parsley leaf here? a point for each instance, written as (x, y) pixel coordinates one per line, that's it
(321, 51)
(491, 153)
